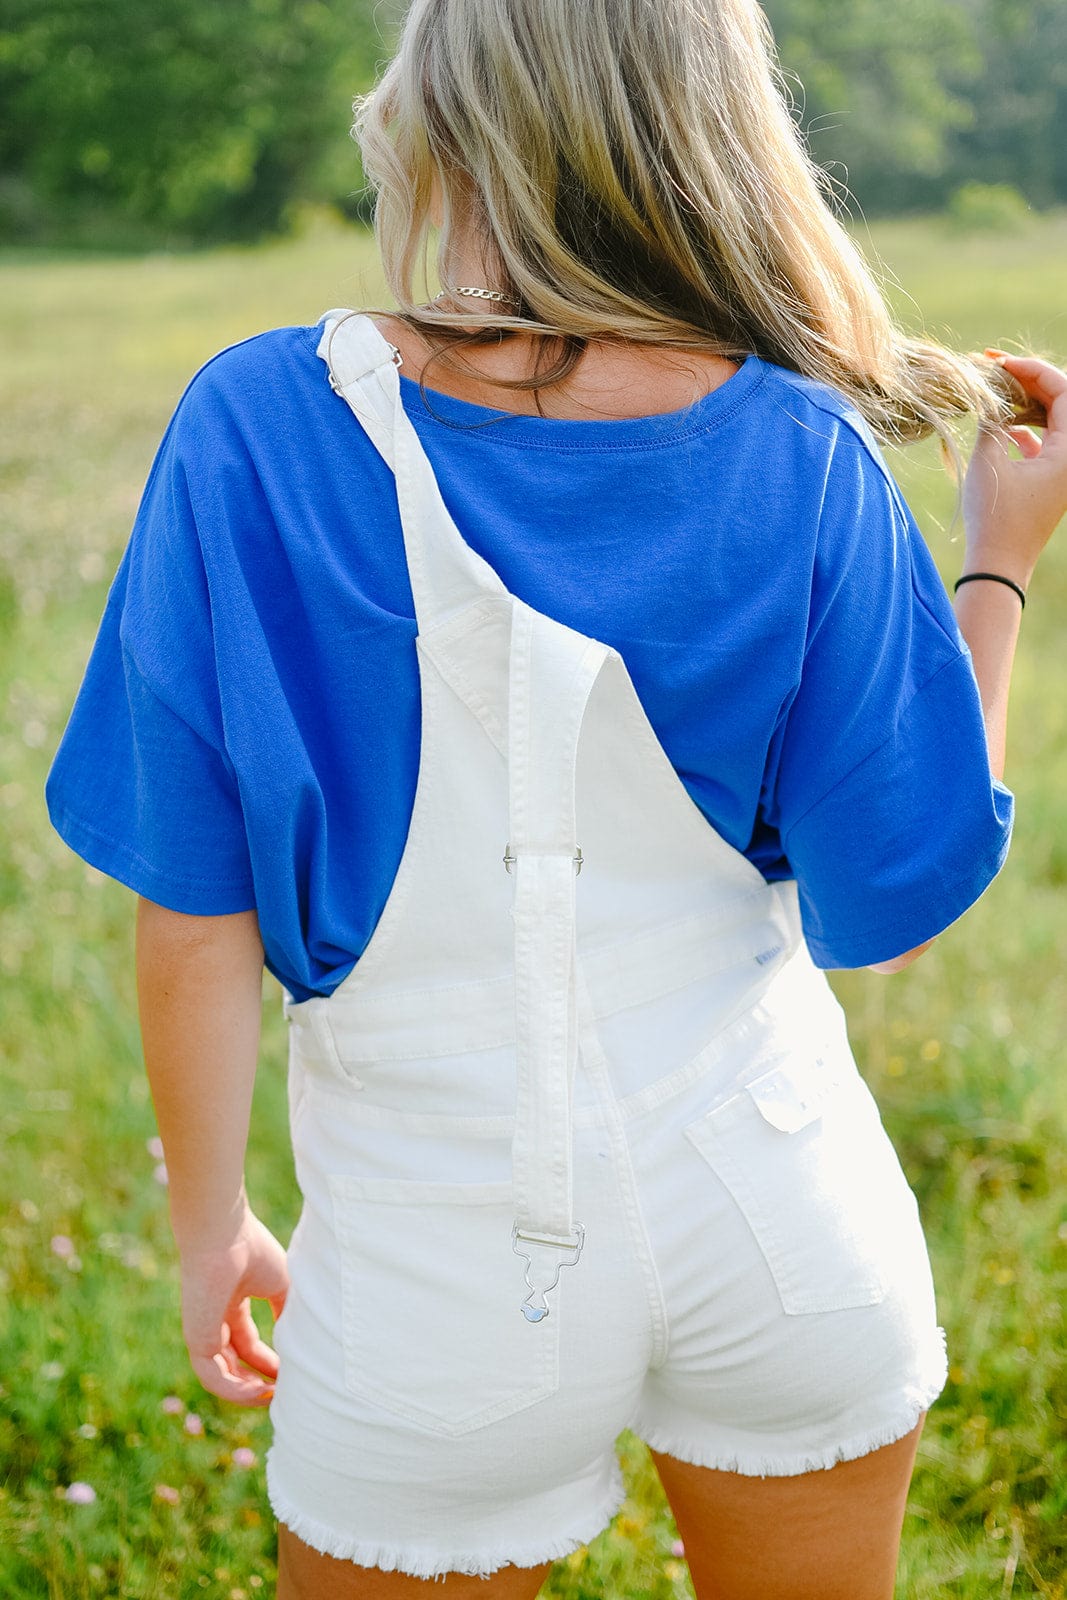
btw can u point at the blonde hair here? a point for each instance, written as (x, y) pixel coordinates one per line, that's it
(633, 172)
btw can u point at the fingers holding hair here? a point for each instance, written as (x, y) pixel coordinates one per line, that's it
(1027, 441)
(1041, 381)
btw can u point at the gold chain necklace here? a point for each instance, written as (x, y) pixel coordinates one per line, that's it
(480, 294)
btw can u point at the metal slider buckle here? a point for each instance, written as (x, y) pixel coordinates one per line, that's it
(338, 388)
(509, 859)
(535, 1307)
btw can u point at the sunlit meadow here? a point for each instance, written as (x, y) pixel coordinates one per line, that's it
(118, 1476)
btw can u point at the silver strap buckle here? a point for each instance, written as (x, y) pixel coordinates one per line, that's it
(509, 859)
(541, 1266)
(339, 388)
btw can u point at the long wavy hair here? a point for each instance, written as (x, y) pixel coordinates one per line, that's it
(632, 171)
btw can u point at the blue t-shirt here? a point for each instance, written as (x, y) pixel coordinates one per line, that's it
(247, 734)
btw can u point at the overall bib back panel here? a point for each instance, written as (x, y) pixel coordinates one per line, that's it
(580, 1138)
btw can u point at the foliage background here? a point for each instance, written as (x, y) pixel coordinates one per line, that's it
(202, 120)
(916, 98)
(144, 130)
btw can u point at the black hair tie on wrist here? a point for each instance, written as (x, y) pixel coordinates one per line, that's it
(993, 577)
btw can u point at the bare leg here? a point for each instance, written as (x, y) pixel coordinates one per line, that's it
(823, 1536)
(306, 1574)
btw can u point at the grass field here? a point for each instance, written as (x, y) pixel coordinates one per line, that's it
(965, 1051)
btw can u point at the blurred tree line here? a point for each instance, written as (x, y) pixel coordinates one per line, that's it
(907, 101)
(144, 121)
(200, 120)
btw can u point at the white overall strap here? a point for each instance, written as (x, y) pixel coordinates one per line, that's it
(552, 672)
(363, 368)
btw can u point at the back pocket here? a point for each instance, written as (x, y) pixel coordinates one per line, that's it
(803, 1152)
(432, 1295)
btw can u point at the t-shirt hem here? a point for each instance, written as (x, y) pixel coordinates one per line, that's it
(886, 940)
(195, 896)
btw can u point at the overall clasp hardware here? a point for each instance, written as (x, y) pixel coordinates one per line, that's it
(509, 860)
(339, 388)
(542, 1266)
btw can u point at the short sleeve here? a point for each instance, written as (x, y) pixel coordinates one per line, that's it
(141, 785)
(890, 817)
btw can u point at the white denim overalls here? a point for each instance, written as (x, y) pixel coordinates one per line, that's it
(580, 1138)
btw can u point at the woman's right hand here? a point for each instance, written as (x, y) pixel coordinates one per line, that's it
(1011, 507)
(219, 1281)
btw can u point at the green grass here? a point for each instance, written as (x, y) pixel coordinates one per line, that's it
(965, 1051)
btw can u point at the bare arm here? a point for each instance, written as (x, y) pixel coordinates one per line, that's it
(1011, 507)
(199, 987)
(199, 984)
(989, 615)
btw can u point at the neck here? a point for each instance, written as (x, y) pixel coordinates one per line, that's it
(468, 266)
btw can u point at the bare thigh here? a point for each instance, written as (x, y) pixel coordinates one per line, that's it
(306, 1574)
(823, 1536)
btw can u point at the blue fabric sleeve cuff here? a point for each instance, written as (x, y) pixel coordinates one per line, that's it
(197, 897)
(908, 924)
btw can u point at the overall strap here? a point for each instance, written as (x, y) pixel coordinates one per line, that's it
(446, 574)
(552, 673)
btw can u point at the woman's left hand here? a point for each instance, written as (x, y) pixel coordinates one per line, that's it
(1011, 508)
(218, 1285)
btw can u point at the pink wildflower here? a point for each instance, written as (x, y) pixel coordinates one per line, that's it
(172, 1405)
(62, 1246)
(164, 1491)
(160, 1174)
(243, 1457)
(81, 1494)
(154, 1147)
(193, 1423)
(678, 1548)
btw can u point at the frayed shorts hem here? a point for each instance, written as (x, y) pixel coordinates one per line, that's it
(424, 1562)
(757, 1464)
